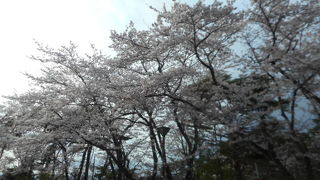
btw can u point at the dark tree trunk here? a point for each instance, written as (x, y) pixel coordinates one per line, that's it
(114, 173)
(2, 150)
(93, 166)
(189, 170)
(238, 171)
(309, 169)
(54, 165)
(82, 163)
(86, 172)
(66, 169)
(168, 172)
(191, 146)
(155, 159)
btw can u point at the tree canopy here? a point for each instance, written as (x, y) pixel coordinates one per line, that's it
(177, 100)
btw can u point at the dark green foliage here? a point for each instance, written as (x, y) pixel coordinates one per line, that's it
(103, 173)
(219, 168)
(17, 176)
(45, 176)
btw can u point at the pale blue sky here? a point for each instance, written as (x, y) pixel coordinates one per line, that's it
(56, 22)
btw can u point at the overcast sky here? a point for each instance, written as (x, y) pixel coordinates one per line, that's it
(57, 22)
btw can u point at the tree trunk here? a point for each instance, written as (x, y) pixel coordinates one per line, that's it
(189, 170)
(168, 172)
(66, 169)
(114, 174)
(54, 165)
(82, 163)
(238, 171)
(2, 150)
(121, 166)
(309, 169)
(86, 172)
(155, 160)
(93, 166)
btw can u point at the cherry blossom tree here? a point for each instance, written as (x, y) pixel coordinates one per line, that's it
(284, 49)
(170, 102)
